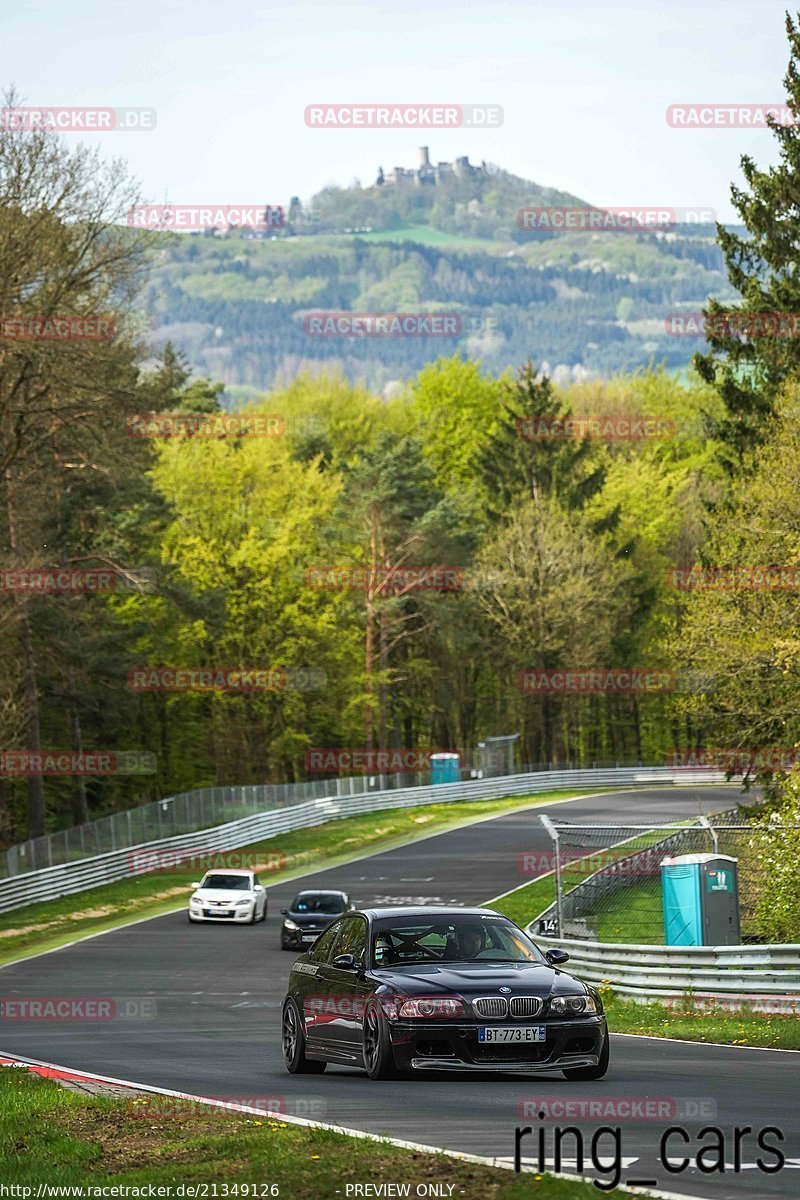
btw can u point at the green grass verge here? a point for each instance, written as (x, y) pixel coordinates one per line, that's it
(699, 1025)
(51, 923)
(526, 902)
(49, 1135)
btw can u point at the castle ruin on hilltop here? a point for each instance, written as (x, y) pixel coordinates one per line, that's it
(429, 175)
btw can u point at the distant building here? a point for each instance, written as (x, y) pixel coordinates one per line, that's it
(428, 175)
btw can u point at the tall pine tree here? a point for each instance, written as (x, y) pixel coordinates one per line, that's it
(513, 461)
(749, 367)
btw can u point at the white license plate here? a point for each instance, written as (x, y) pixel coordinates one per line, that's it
(512, 1033)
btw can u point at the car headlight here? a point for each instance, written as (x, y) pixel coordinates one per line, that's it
(239, 903)
(431, 1007)
(290, 926)
(568, 1005)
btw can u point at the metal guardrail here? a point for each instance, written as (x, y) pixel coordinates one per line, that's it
(184, 812)
(754, 974)
(71, 877)
(205, 808)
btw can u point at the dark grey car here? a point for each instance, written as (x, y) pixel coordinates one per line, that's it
(309, 913)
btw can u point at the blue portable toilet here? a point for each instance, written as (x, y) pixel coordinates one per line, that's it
(700, 894)
(445, 768)
(680, 891)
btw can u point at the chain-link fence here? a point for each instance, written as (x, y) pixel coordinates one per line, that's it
(607, 877)
(186, 812)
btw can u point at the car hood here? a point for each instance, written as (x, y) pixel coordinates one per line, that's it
(222, 894)
(475, 979)
(308, 920)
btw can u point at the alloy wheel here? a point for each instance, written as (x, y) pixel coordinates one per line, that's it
(372, 1039)
(289, 1033)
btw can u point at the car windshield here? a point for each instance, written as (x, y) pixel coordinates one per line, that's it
(410, 941)
(308, 902)
(229, 883)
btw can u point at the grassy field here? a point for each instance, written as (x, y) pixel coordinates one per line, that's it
(52, 1136)
(52, 922)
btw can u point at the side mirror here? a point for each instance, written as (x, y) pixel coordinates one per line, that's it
(284, 911)
(258, 888)
(556, 957)
(345, 962)
(195, 885)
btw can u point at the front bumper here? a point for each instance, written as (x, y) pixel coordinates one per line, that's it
(454, 1046)
(230, 914)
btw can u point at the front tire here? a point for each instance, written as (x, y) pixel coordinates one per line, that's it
(591, 1072)
(378, 1055)
(293, 1041)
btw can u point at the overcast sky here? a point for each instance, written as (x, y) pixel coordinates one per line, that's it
(584, 89)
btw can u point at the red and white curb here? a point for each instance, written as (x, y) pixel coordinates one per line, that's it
(66, 1075)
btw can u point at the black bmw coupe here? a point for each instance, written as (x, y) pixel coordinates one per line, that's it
(397, 990)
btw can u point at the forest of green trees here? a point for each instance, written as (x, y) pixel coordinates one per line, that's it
(565, 552)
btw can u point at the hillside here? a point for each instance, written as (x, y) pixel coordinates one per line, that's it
(581, 302)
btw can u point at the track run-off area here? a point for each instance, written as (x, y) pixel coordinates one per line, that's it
(199, 1012)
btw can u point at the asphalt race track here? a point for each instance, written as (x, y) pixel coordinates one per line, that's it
(212, 1023)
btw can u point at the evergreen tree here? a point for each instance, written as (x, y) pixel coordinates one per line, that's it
(518, 459)
(748, 367)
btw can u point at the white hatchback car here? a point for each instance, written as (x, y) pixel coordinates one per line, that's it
(228, 896)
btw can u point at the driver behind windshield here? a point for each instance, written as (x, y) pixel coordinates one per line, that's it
(470, 940)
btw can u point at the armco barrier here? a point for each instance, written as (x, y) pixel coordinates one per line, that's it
(745, 973)
(186, 812)
(71, 877)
